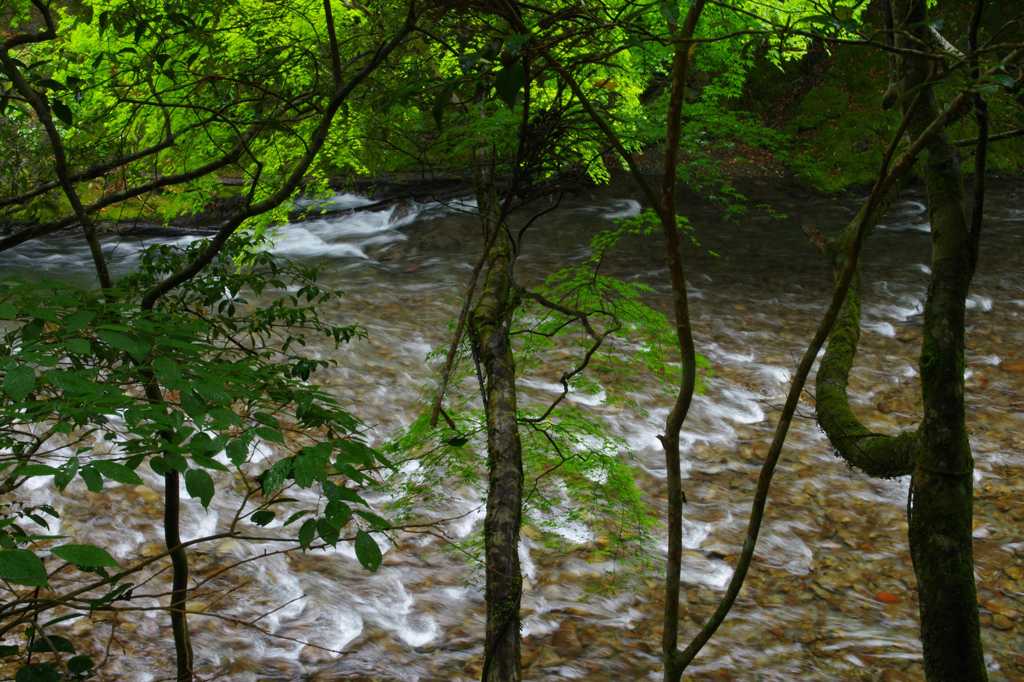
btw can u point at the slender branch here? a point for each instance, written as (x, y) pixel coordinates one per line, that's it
(1008, 135)
(883, 184)
(981, 151)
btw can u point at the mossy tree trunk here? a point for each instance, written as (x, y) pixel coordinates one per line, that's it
(490, 333)
(938, 455)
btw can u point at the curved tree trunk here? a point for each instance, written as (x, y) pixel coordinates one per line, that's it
(938, 455)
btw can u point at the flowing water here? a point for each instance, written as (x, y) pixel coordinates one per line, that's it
(831, 593)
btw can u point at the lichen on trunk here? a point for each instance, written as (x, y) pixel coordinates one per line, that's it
(490, 334)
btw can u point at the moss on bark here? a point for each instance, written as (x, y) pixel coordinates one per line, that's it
(489, 326)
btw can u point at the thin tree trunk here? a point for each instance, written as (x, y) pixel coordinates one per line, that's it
(179, 585)
(684, 336)
(490, 327)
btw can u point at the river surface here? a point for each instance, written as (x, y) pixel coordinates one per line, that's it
(831, 593)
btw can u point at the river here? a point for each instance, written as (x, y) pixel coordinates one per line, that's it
(831, 592)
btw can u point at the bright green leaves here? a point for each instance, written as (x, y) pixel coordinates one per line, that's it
(230, 383)
(22, 567)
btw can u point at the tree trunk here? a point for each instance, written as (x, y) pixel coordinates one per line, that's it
(942, 485)
(490, 327)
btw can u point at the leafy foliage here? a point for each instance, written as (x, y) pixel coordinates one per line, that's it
(578, 473)
(96, 390)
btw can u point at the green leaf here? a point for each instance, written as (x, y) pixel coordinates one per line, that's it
(199, 484)
(444, 98)
(268, 434)
(377, 521)
(38, 672)
(342, 493)
(176, 462)
(63, 112)
(307, 532)
(110, 596)
(116, 472)
(85, 555)
(224, 417)
(213, 393)
(337, 513)
(367, 551)
(192, 404)
(327, 532)
(8, 650)
(92, 478)
(514, 42)
(276, 475)
(59, 643)
(67, 473)
(1002, 79)
(263, 517)
(238, 452)
(77, 320)
(843, 12)
(79, 664)
(508, 82)
(670, 10)
(312, 465)
(30, 470)
(31, 331)
(79, 346)
(19, 382)
(7, 310)
(266, 419)
(208, 463)
(468, 61)
(42, 313)
(158, 465)
(356, 452)
(22, 567)
(137, 348)
(167, 372)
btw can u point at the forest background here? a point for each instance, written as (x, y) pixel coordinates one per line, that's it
(225, 115)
